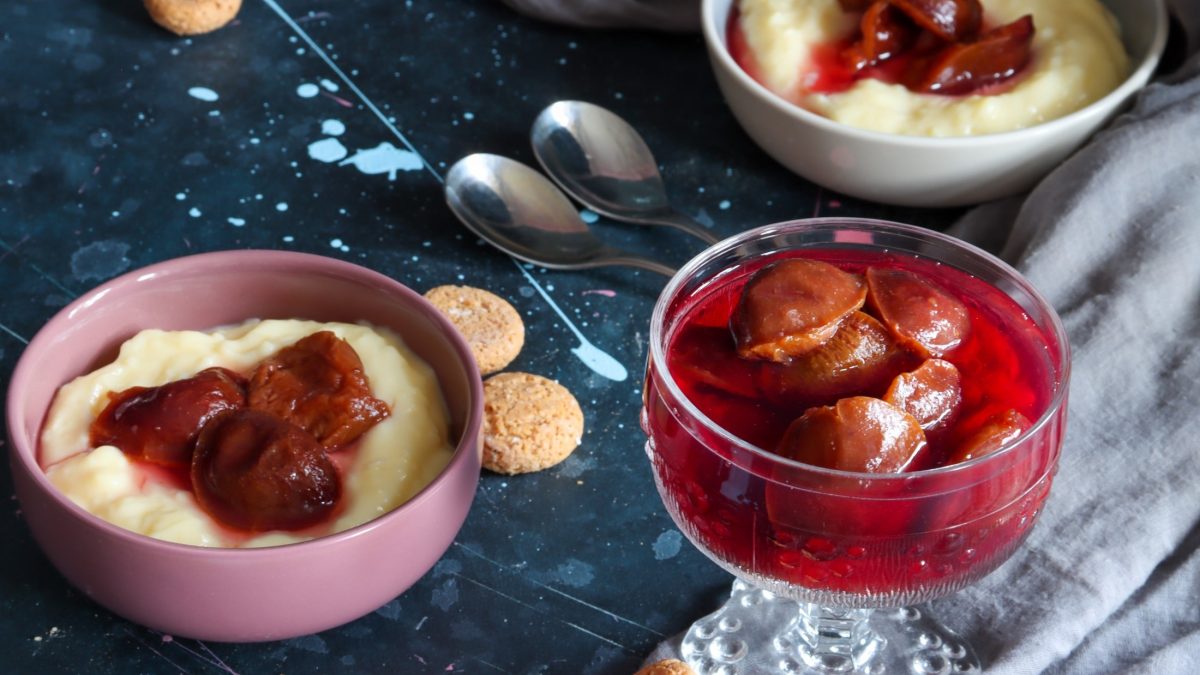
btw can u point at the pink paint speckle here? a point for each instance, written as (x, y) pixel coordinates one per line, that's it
(600, 291)
(835, 204)
(340, 101)
(167, 638)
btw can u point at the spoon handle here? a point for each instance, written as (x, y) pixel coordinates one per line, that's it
(686, 224)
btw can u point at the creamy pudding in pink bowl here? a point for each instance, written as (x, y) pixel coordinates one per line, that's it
(132, 537)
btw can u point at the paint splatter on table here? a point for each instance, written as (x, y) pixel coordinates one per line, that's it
(326, 127)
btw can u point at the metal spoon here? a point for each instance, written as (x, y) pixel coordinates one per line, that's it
(520, 212)
(600, 160)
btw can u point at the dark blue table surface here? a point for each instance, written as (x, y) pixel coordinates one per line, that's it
(113, 157)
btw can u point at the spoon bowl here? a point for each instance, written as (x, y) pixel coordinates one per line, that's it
(520, 212)
(602, 161)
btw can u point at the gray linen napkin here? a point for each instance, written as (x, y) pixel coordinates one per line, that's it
(1110, 578)
(1109, 581)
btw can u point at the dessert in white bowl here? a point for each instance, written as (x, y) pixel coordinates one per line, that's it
(810, 53)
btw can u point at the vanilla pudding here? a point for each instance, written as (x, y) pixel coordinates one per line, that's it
(391, 462)
(1077, 58)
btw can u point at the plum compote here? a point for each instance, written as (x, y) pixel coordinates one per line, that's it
(253, 450)
(928, 46)
(825, 464)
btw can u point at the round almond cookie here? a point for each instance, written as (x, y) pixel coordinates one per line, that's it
(192, 17)
(491, 326)
(530, 423)
(668, 667)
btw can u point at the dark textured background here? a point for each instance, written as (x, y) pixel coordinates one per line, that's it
(107, 164)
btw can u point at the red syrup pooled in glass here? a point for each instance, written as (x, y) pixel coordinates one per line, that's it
(828, 530)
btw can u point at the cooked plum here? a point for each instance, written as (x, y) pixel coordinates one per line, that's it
(885, 33)
(707, 360)
(160, 424)
(253, 471)
(792, 307)
(993, 435)
(861, 358)
(921, 314)
(931, 393)
(951, 20)
(855, 434)
(962, 68)
(318, 384)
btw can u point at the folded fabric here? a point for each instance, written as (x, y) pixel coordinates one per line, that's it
(1108, 580)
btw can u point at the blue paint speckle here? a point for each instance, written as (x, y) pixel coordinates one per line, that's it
(444, 597)
(446, 566)
(576, 573)
(589, 216)
(667, 545)
(100, 260)
(724, 205)
(390, 611)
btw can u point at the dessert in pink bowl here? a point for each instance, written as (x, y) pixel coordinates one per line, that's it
(278, 591)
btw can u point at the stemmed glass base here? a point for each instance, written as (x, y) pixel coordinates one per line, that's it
(757, 632)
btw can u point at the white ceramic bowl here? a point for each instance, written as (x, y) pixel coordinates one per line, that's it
(922, 171)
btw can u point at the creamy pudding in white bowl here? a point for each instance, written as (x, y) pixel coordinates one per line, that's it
(929, 102)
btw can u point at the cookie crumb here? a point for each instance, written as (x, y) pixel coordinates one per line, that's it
(491, 326)
(530, 423)
(668, 667)
(192, 17)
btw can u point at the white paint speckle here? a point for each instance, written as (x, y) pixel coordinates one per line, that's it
(333, 128)
(327, 150)
(336, 243)
(288, 238)
(179, 196)
(384, 158)
(468, 116)
(281, 207)
(329, 85)
(307, 90)
(254, 141)
(203, 93)
(724, 205)
(236, 222)
(194, 212)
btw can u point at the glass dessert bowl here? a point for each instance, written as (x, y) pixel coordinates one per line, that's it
(829, 561)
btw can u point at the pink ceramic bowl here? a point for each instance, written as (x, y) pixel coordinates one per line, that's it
(242, 594)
